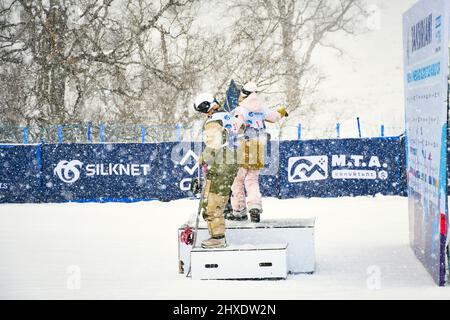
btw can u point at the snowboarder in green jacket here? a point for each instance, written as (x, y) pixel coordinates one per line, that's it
(220, 156)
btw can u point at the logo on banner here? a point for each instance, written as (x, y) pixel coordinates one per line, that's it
(190, 154)
(185, 184)
(358, 167)
(68, 171)
(421, 33)
(438, 31)
(311, 168)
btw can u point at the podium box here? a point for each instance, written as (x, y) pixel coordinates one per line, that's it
(262, 261)
(297, 233)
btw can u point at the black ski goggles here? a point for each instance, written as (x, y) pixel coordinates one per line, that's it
(205, 106)
(246, 93)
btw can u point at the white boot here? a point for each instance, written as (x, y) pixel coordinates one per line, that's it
(240, 215)
(212, 243)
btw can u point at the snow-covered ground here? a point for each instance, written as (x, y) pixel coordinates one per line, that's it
(129, 251)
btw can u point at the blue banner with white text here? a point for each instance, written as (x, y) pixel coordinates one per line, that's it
(337, 168)
(134, 172)
(100, 172)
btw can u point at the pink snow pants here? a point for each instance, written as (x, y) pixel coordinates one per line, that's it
(246, 179)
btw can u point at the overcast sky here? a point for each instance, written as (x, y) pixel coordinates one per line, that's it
(367, 81)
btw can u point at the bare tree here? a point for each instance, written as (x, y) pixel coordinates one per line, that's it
(141, 61)
(71, 61)
(277, 39)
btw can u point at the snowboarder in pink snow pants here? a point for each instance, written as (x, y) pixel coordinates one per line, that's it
(250, 117)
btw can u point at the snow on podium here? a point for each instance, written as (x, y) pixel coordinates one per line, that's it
(270, 249)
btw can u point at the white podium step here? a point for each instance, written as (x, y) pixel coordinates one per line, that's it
(297, 233)
(267, 261)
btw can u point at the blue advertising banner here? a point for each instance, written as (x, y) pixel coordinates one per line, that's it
(269, 180)
(20, 173)
(132, 172)
(178, 166)
(426, 61)
(335, 168)
(100, 172)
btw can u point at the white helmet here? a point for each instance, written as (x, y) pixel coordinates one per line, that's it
(204, 102)
(249, 88)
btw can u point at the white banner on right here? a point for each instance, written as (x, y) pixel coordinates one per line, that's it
(426, 30)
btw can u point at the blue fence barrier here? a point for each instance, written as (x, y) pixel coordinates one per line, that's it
(144, 171)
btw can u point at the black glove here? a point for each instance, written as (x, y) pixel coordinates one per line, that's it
(195, 186)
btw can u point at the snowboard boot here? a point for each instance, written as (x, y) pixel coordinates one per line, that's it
(240, 215)
(214, 242)
(255, 213)
(228, 211)
(228, 215)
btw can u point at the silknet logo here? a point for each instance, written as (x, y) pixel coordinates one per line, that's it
(68, 171)
(310, 168)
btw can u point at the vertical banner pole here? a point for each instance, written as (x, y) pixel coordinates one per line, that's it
(25, 135)
(142, 134)
(178, 129)
(89, 132)
(60, 134)
(102, 133)
(359, 127)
